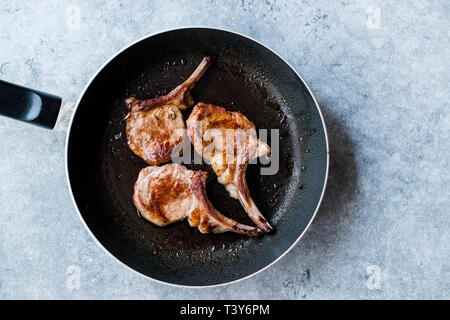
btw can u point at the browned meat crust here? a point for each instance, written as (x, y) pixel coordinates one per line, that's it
(155, 126)
(171, 193)
(231, 154)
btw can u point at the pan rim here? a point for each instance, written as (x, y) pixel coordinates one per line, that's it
(69, 129)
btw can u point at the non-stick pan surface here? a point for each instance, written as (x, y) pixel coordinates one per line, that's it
(244, 76)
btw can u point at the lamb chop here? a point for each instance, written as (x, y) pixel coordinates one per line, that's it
(170, 193)
(155, 126)
(234, 144)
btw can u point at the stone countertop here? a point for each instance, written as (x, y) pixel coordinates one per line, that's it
(380, 71)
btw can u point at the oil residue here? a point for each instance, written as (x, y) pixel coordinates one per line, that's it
(233, 85)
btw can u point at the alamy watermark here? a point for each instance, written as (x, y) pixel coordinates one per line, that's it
(73, 17)
(374, 274)
(229, 147)
(373, 17)
(73, 281)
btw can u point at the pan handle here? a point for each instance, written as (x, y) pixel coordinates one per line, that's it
(29, 105)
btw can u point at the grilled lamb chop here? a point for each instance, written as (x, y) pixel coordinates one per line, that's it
(234, 144)
(170, 193)
(155, 126)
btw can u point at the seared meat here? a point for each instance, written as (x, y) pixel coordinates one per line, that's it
(228, 141)
(155, 126)
(171, 193)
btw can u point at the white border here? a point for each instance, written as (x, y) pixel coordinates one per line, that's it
(101, 245)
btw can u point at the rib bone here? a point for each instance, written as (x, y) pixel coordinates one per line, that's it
(155, 126)
(229, 158)
(170, 193)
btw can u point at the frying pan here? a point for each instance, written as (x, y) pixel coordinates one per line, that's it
(101, 170)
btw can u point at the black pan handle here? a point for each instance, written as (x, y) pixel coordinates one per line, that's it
(29, 105)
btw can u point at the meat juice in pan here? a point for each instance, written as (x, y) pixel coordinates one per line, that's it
(226, 84)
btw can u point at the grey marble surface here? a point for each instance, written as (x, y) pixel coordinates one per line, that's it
(383, 228)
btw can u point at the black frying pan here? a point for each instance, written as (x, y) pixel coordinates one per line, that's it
(101, 170)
